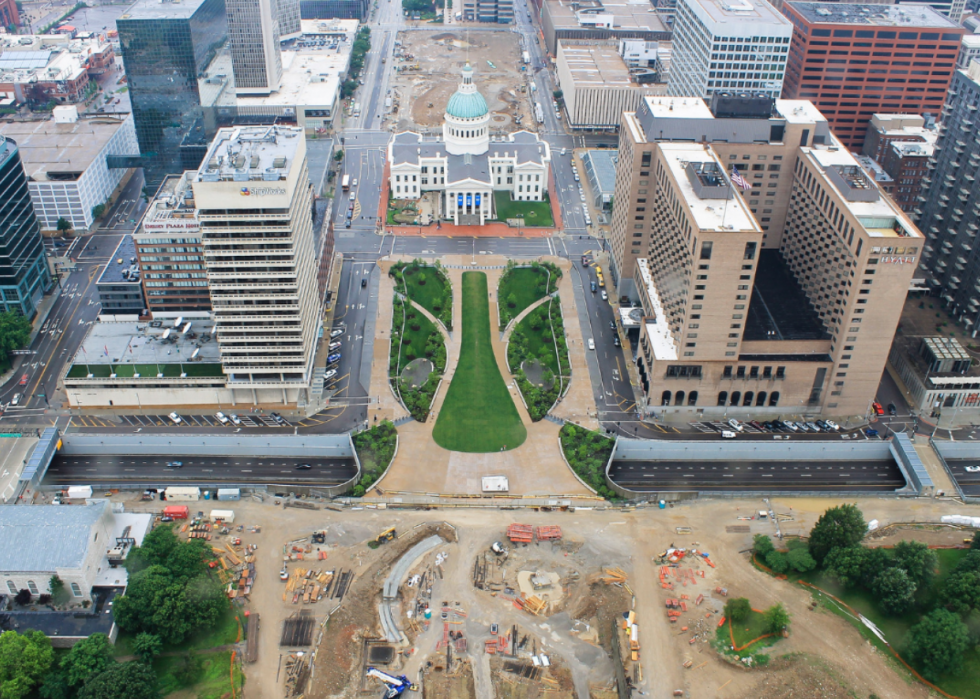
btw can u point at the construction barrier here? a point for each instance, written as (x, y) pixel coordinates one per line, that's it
(731, 635)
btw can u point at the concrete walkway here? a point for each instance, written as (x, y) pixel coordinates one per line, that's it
(388, 406)
(422, 466)
(578, 403)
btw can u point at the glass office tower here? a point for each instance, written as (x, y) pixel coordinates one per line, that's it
(180, 81)
(24, 276)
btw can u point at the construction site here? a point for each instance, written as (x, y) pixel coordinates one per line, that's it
(533, 603)
(426, 72)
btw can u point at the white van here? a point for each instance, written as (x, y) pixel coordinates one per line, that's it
(728, 434)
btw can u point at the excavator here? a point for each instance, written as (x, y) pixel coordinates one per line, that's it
(387, 535)
(394, 686)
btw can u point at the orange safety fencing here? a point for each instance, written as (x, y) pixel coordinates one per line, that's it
(232, 671)
(754, 640)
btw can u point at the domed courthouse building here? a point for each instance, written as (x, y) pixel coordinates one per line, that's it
(466, 166)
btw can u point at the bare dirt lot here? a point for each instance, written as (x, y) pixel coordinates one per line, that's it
(427, 72)
(824, 656)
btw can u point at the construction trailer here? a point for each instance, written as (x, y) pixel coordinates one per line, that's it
(182, 494)
(176, 511)
(226, 516)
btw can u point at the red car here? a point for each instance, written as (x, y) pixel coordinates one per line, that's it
(23, 380)
(878, 409)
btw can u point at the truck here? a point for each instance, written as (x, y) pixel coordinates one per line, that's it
(345, 183)
(177, 511)
(394, 685)
(79, 492)
(538, 112)
(526, 56)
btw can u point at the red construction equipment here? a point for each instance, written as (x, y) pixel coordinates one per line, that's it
(520, 533)
(549, 533)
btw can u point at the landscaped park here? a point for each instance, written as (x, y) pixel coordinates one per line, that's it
(478, 414)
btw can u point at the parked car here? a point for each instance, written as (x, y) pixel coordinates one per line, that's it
(220, 417)
(871, 433)
(277, 417)
(329, 375)
(876, 406)
(616, 341)
(235, 419)
(758, 425)
(605, 296)
(892, 410)
(735, 424)
(832, 426)
(612, 324)
(788, 425)
(176, 418)
(336, 332)
(335, 346)
(594, 286)
(333, 358)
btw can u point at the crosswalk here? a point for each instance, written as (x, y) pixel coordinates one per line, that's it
(198, 421)
(716, 426)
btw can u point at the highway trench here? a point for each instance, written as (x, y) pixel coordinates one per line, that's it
(84, 470)
(969, 482)
(650, 476)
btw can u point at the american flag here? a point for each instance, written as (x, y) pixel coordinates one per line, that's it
(739, 180)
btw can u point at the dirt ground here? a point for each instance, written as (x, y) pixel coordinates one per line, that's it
(824, 656)
(419, 94)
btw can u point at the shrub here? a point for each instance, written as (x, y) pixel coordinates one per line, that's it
(738, 609)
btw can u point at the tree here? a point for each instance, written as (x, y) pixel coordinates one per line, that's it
(63, 225)
(87, 658)
(24, 659)
(762, 545)
(777, 618)
(799, 559)
(98, 210)
(776, 560)
(23, 597)
(59, 595)
(961, 591)
(975, 544)
(55, 686)
(15, 331)
(917, 560)
(847, 564)
(147, 646)
(133, 680)
(738, 609)
(839, 526)
(937, 644)
(895, 590)
(875, 561)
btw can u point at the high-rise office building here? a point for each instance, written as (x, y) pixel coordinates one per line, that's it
(949, 206)
(853, 61)
(721, 46)
(253, 199)
(289, 19)
(253, 38)
(733, 320)
(24, 276)
(177, 83)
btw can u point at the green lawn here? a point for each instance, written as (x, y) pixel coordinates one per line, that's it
(520, 286)
(535, 213)
(200, 675)
(414, 341)
(429, 288)
(478, 414)
(541, 341)
(747, 629)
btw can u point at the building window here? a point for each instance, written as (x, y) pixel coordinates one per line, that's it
(76, 590)
(736, 397)
(32, 586)
(11, 587)
(706, 250)
(774, 399)
(760, 400)
(692, 398)
(722, 398)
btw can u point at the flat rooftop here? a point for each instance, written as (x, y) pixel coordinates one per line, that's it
(170, 210)
(52, 151)
(626, 15)
(308, 79)
(120, 262)
(678, 107)
(799, 112)
(240, 151)
(316, 27)
(755, 14)
(881, 218)
(131, 342)
(911, 16)
(780, 310)
(658, 329)
(157, 9)
(603, 164)
(710, 214)
(595, 65)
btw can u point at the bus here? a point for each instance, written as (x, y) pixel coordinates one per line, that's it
(345, 183)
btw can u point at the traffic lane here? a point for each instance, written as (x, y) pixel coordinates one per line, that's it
(880, 475)
(968, 482)
(206, 469)
(889, 393)
(614, 375)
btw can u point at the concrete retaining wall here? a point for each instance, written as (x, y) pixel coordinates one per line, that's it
(733, 450)
(318, 446)
(956, 450)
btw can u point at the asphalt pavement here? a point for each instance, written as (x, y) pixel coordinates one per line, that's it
(154, 471)
(651, 476)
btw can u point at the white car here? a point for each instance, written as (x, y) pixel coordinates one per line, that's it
(176, 418)
(15, 400)
(235, 419)
(605, 296)
(335, 346)
(337, 332)
(329, 375)
(353, 196)
(832, 425)
(973, 469)
(591, 344)
(735, 425)
(220, 417)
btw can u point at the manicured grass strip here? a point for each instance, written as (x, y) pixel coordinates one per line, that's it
(429, 288)
(478, 414)
(414, 341)
(535, 213)
(519, 288)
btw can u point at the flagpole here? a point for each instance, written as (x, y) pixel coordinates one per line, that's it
(725, 210)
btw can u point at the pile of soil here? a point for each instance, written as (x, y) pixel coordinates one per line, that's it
(799, 677)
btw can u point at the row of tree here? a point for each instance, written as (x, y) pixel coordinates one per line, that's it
(362, 44)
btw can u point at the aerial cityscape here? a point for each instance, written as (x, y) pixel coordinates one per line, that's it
(474, 349)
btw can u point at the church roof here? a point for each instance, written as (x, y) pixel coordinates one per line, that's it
(467, 102)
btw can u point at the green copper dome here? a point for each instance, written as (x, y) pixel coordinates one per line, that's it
(466, 102)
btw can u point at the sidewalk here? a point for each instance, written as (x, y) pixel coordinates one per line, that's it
(487, 230)
(388, 407)
(940, 478)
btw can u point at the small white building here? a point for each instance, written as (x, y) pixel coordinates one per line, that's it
(71, 541)
(467, 165)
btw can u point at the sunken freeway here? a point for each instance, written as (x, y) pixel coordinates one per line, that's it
(159, 471)
(716, 476)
